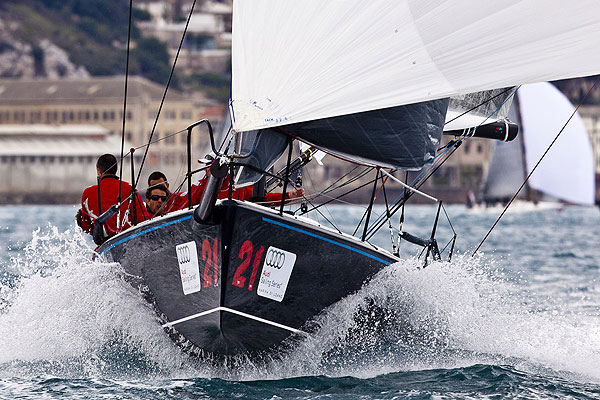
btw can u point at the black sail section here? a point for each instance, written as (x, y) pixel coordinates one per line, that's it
(262, 148)
(401, 137)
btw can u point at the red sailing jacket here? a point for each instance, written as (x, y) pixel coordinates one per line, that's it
(92, 199)
(179, 201)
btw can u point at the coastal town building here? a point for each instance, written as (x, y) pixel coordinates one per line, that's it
(99, 101)
(51, 164)
(207, 47)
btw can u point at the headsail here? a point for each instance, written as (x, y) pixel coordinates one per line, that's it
(404, 137)
(296, 61)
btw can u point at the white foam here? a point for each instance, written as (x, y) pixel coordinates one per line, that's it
(444, 316)
(70, 316)
(76, 316)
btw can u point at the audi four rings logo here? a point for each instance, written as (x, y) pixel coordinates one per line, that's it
(183, 254)
(275, 258)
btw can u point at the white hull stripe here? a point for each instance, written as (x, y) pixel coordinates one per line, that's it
(266, 321)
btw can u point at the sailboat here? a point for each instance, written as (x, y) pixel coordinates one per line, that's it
(567, 173)
(369, 82)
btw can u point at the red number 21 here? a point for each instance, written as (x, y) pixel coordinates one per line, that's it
(206, 255)
(246, 255)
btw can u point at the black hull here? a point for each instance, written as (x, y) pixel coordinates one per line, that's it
(273, 274)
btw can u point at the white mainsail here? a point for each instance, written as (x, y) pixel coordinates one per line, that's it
(296, 61)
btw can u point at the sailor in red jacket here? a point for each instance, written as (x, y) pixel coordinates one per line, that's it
(98, 198)
(179, 200)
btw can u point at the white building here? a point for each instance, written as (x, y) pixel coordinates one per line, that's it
(211, 22)
(591, 120)
(51, 164)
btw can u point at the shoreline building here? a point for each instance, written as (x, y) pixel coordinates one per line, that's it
(207, 47)
(46, 164)
(99, 101)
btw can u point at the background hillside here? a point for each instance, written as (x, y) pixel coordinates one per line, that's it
(91, 33)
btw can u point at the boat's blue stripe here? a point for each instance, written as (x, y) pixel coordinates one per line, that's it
(293, 228)
(146, 231)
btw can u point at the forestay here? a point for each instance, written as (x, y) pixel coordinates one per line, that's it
(296, 61)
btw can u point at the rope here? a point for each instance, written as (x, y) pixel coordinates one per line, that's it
(535, 167)
(479, 105)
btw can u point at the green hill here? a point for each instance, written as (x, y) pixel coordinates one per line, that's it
(92, 32)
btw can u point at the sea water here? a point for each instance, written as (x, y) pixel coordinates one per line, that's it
(520, 319)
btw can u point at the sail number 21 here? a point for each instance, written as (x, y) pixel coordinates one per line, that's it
(206, 256)
(246, 256)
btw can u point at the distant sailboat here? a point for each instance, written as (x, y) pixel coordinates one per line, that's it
(567, 172)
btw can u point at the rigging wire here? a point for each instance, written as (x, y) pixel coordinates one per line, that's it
(187, 23)
(369, 209)
(307, 171)
(435, 162)
(536, 165)
(125, 107)
(480, 104)
(406, 194)
(323, 215)
(331, 189)
(344, 194)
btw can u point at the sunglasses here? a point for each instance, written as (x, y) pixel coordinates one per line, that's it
(155, 197)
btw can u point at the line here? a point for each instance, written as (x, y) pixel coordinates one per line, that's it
(266, 321)
(326, 239)
(409, 187)
(145, 231)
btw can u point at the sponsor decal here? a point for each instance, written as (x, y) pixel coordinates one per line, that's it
(187, 258)
(275, 258)
(276, 272)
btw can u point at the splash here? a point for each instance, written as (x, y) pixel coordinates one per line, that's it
(66, 315)
(70, 316)
(444, 316)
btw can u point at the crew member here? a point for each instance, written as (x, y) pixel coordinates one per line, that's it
(179, 200)
(156, 199)
(98, 198)
(157, 178)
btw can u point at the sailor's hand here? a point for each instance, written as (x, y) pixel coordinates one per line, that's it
(79, 217)
(294, 194)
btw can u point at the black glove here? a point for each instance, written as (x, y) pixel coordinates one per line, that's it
(79, 217)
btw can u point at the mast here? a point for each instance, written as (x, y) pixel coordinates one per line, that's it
(529, 194)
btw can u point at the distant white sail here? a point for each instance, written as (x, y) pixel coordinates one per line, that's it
(567, 171)
(296, 61)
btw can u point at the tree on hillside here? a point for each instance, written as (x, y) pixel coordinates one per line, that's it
(150, 58)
